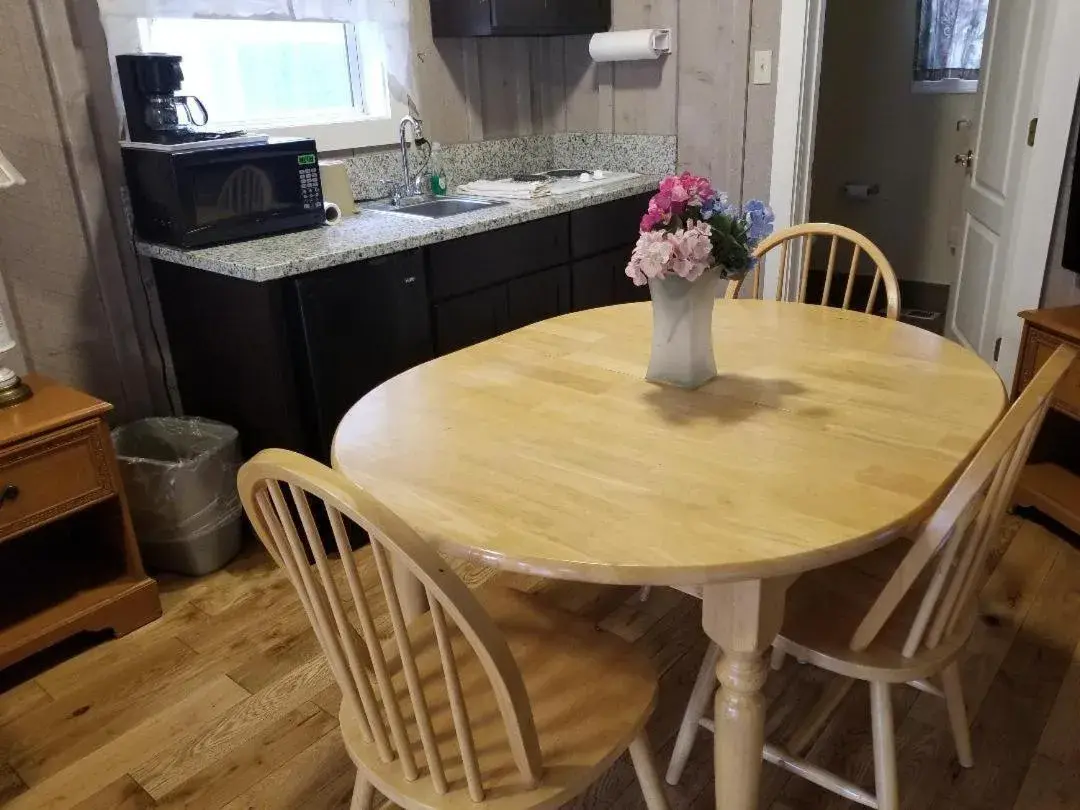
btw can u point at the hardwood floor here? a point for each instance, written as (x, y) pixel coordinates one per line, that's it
(226, 703)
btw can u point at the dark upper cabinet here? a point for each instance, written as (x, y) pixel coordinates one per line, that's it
(502, 18)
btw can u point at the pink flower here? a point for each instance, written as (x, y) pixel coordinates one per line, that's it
(693, 250)
(652, 257)
(686, 253)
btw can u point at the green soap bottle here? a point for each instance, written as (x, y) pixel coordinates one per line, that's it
(438, 173)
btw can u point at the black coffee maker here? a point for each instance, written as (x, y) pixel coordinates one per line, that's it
(155, 113)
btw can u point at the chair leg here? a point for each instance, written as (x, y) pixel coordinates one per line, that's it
(696, 707)
(954, 701)
(363, 793)
(645, 764)
(881, 717)
(777, 660)
(803, 737)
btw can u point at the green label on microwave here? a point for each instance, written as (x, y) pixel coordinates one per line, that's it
(306, 160)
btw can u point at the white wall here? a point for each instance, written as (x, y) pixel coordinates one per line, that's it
(873, 129)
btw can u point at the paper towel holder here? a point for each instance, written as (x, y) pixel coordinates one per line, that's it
(659, 44)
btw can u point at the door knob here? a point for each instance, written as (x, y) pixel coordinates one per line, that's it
(967, 161)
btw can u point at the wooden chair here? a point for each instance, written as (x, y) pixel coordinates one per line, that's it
(486, 698)
(906, 627)
(883, 272)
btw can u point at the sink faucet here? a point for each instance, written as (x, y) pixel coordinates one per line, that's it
(418, 134)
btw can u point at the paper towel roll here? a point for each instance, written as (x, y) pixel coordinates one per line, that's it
(333, 213)
(624, 46)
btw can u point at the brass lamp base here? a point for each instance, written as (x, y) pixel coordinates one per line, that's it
(13, 391)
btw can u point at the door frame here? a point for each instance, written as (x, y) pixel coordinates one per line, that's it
(798, 79)
(802, 27)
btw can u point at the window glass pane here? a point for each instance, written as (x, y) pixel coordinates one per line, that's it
(950, 39)
(262, 70)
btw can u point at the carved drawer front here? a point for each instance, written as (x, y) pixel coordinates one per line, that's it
(1037, 350)
(49, 476)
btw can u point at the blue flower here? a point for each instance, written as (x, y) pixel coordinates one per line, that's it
(719, 205)
(759, 219)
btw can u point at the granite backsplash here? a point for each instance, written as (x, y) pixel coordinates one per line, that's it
(503, 157)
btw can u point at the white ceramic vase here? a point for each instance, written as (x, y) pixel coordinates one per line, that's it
(682, 345)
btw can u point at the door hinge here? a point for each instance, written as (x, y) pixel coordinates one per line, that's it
(997, 349)
(1032, 129)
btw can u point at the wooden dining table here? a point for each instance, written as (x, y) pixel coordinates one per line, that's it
(825, 435)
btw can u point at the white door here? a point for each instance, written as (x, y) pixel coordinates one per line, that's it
(1007, 89)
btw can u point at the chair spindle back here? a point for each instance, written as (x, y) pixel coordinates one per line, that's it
(958, 537)
(884, 276)
(276, 487)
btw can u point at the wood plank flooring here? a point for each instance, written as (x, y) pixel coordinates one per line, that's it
(225, 702)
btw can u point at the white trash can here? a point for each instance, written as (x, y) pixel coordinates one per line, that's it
(180, 477)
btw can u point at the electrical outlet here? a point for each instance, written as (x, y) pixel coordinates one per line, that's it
(762, 67)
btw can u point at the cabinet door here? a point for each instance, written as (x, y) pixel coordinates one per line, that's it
(595, 280)
(538, 297)
(362, 323)
(469, 319)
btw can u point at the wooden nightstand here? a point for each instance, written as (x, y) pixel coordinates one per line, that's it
(68, 557)
(1051, 482)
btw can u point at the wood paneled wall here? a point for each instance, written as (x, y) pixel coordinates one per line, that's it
(473, 89)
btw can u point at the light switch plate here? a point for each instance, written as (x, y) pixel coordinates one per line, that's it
(762, 67)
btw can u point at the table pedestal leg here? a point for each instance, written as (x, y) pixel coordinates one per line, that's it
(409, 589)
(743, 618)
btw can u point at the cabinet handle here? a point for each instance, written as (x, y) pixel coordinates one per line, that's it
(8, 493)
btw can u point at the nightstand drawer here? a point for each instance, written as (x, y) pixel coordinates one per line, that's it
(48, 477)
(1037, 350)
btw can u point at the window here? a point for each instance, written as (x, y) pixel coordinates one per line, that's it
(284, 77)
(949, 45)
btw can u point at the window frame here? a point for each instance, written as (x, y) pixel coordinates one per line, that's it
(376, 126)
(945, 86)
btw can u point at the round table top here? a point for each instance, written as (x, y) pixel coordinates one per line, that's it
(826, 434)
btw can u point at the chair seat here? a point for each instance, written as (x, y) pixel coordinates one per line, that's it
(591, 693)
(824, 608)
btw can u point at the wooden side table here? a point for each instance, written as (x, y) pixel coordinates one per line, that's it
(1051, 483)
(68, 557)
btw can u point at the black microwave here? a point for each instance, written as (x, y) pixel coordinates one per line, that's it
(193, 197)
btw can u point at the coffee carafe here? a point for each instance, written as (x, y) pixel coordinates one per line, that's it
(155, 113)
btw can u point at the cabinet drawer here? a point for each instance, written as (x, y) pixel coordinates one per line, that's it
(598, 228)
(474, 262)
(1038, 347)
(50, 476)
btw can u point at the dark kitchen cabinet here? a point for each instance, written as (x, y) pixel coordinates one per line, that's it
(469, 319)
(283, 360)
(537, 297)
(361, 325)
(596, 281)
(487, 18)
(472, 262)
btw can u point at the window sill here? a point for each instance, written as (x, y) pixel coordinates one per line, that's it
(340, 135)
(945, 86)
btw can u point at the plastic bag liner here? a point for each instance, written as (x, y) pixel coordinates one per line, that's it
(180, 476)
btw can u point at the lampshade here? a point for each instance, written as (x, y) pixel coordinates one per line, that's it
(9, 175)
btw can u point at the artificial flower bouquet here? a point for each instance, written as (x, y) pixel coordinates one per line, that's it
(690, 228)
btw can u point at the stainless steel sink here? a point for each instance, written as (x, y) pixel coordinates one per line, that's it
(435, 207)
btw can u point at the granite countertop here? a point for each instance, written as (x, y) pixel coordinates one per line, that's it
(370, 234)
